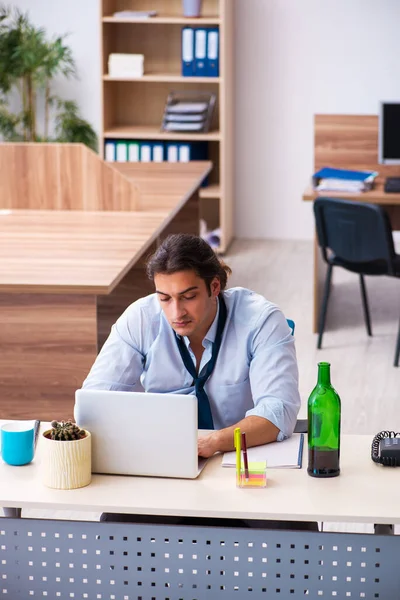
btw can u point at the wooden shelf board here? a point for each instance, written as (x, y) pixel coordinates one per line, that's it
(211, 191)
(153, 133)
(164, 77)
(164, 19)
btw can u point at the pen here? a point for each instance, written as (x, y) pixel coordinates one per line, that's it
(236, 439)
(246, 464)
(36, 432)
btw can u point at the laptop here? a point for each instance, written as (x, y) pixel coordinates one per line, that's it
(139, 433)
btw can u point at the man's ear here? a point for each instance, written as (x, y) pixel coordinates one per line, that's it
(215, 287)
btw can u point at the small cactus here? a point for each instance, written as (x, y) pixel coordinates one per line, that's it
(66, 431)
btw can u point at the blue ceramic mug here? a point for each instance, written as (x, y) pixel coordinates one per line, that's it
(17, 442)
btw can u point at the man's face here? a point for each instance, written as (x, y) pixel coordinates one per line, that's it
(186, 302)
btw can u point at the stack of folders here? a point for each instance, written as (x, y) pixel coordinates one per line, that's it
(343, 180)
(155, 151)
(200, 52)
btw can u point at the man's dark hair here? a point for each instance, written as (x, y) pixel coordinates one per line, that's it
(186, 252)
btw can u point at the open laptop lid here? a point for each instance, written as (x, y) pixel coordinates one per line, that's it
(139, 433)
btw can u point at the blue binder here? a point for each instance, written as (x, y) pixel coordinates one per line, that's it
(200, 52)
(146, 154)
(172, 152)
(212, 62)
(158, 152)
(192, 151)
(188, 52)
(184, 152)
(109, 151)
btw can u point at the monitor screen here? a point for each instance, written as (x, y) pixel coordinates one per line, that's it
(389, 133)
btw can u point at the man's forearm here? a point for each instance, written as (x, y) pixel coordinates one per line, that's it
(258, 431)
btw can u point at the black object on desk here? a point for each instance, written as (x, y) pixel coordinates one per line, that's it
(392, 185)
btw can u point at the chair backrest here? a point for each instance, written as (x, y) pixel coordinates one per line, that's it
(354, 231)
(291, 325)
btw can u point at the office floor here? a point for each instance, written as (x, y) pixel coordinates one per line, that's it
(362, 368)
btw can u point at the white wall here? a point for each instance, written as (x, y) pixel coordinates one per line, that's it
(294, 58)
(81, 20)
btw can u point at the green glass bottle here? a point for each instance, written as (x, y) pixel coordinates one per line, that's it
(324, 426)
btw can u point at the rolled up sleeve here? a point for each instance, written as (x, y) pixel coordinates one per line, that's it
(119, 364)
(274, 373)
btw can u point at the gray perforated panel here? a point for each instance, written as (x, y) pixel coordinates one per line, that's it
(116, 561)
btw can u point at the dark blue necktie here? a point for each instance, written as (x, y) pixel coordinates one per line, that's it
(205, 420)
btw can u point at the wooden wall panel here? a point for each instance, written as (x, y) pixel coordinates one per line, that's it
(349, 142)
(104, 188)
(61, 177)
(47, 346)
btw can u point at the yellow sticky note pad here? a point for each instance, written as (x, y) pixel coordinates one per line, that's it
(258, 466)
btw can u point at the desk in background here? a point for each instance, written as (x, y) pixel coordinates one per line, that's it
(349, 142)
(68, 272)
(130, 561)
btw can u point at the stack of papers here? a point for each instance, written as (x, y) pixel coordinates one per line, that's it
(125, 65)
(278, 455)
(134, 14)
(343, 180)
(185, 116)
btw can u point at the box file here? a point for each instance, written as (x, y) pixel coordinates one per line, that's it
(109, 151)
(188, 51)
(145, 152)
(133, 152)
(158, 152)
(200, 52)
(172, 153)
(121, 153)
(184, 152)
(212, 62)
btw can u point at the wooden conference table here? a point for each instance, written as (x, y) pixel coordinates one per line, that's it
(65, 277)
(129, 561)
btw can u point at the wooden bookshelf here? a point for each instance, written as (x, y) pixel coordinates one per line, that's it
(164, 77)
(132, 108)
(166, 20)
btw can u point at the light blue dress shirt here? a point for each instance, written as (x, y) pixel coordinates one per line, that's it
(255, 374)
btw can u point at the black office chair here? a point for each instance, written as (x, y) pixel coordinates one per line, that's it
(357, 237)
(301, 424)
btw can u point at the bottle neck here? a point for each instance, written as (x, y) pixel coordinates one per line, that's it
(324, 374)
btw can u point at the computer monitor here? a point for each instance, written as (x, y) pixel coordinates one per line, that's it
(389, 133)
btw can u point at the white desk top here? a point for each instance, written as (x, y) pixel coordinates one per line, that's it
(364, 492)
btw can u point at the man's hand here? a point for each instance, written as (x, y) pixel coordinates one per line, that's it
(208, 445)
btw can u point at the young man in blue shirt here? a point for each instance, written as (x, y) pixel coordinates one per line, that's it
(231, 347)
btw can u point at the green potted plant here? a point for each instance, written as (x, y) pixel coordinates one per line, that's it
(29, 61)
(66, 456)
